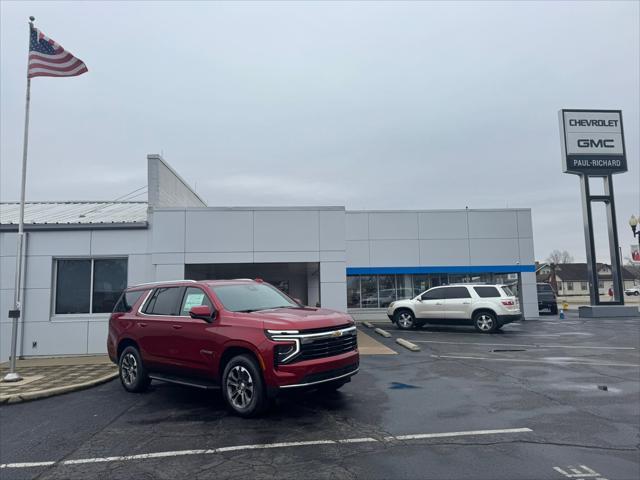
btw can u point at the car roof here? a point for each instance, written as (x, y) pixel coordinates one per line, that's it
(183, 282)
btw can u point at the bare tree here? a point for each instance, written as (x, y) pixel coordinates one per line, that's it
(556, 257)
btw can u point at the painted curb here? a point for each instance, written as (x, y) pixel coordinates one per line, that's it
(382, 332)
(407, 344)
(368, 324)
(50, 392)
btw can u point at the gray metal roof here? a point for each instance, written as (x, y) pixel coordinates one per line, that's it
(74, 213)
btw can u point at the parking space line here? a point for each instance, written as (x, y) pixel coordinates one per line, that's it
(523, 345)
(263, 446)
(552, 362)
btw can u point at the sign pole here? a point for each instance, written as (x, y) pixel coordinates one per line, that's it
(14, 314)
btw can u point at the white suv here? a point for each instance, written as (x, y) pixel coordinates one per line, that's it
(487, 307)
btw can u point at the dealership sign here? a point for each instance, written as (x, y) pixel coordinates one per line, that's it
(592, 142)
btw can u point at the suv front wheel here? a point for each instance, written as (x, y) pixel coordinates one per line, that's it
(133, 375)
(243, 387)
(404, 319)
(485, 322)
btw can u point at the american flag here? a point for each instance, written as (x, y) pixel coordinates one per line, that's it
(48, 59)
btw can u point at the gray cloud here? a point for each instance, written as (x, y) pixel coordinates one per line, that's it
(372, 105)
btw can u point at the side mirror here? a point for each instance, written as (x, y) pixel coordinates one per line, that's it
(297, 300)
(202, 312)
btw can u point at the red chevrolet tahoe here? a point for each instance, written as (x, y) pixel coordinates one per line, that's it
(243, 336)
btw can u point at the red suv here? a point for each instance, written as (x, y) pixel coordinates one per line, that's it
(243, 336)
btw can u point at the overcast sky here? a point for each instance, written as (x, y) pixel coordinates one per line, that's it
(370, 105)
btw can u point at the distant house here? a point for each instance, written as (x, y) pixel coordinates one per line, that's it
(572, 278)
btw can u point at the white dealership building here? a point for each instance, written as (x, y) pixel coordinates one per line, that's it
(80, 255)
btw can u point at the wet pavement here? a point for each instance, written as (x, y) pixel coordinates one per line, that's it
(521, 404)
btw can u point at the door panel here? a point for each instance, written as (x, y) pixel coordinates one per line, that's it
(458, 304)
(432, 305)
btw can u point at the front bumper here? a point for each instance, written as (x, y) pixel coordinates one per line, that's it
(308, 373)
(504, 319)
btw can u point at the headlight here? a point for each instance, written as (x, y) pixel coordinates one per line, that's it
(289, 345)
(391, 304)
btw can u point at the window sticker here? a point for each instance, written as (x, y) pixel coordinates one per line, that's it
(193, 300)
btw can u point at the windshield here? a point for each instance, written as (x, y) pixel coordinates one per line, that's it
(252, 297)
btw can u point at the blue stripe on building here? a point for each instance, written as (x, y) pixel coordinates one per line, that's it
(448, 269)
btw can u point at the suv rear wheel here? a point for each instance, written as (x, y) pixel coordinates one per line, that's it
(485, 321)
(133, 375)
(404, 319)
(243, 387)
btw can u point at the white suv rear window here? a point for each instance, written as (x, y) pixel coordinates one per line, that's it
(487, 292)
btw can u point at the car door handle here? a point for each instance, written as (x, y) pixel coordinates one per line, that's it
(439, 303)
(466, 303)
(176, 327)
(142, 324)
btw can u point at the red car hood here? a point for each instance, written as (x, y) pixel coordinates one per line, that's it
(302, 319)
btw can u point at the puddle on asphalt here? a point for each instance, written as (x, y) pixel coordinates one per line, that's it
(400, 386)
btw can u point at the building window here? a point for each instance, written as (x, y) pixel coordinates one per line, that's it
(369, 291)
(570, 286)
(583, 286)
(88, 285)
(600, 284)
(353, 291)
(386, 290)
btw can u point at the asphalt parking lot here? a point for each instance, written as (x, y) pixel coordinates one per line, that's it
(520, 404)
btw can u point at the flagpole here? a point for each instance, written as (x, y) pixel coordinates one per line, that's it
(14, 314)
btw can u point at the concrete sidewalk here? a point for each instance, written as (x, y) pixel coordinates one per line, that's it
(45, 377)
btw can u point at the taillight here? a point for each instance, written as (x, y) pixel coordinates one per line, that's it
(508, 303)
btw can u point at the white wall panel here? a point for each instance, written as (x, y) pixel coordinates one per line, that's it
(526, 251)
(60, 243)
(169, 272)
(97, 337)
(332, 230)
(167, 231)
(357, 226)
(334, 295)
(444, 252)
(219, 257)
(495, 251)
(55, 338)
(219, 231)
(286, 231)
(394, 253)
(39, 272)
(493, 224)
(274, 257)
(525, 228)
(393, 225)
(8, 245)
(358, 253)
(37, 304)
(438, 225)
(7, 272)
(167, 258)
(332, 256)
(140, 269)
(119, 242)
(333, 272)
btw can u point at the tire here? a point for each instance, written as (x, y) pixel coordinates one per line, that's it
(485, 321)
(243, 387)
(133, 375)
(331, 386)
(636, 293)
(404, 319)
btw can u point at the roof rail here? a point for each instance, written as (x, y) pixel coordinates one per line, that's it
(161, 281)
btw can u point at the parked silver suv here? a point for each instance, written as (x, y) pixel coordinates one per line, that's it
(486, 307)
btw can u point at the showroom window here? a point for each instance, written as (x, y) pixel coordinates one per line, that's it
(88, 285)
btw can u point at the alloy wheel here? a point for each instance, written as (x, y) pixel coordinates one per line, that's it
(129, 369)
(240, 387)
(484, 322)
(405, 320)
